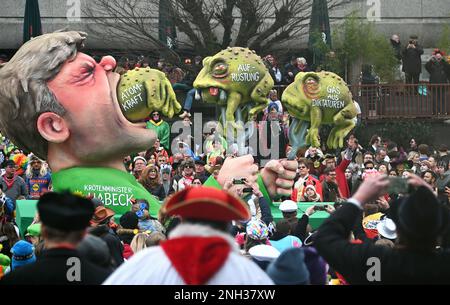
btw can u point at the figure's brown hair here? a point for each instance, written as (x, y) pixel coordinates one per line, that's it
(24, 94)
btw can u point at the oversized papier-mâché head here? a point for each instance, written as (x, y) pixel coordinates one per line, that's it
(59, 103)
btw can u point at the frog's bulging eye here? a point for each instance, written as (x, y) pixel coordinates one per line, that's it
(220, 69)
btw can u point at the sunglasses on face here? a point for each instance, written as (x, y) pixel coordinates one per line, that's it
(369, 167)
(331, 175)
(188, 166)
(302, 167)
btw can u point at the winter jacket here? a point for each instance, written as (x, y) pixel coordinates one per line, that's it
(412, 63)
(355, 261)
(439, 71)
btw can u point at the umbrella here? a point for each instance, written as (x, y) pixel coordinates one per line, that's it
(319, 29)
(32, 21)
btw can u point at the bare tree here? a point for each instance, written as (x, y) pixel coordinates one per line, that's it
(210, 25)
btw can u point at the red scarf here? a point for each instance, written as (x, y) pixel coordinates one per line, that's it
(9, 181)
(197, 259)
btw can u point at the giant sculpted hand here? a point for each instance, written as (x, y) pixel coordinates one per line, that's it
(236, 168)
(278, 177)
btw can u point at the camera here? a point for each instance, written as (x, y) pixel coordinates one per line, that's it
(320, 207)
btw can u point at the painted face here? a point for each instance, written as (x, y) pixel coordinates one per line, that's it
(88, 92)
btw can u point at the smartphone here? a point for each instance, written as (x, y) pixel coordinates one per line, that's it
(320, 207)
(398, 185)
(247, 190)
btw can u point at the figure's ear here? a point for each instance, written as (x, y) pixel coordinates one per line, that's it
(53, 127)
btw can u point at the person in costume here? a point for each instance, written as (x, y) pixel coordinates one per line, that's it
(38, 179)
(161, 128)
(199, 250)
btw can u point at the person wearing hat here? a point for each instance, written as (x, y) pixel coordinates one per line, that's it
(161, 128)
(412, 62)
(298, 226)
(65, 218)
(101, 227)
(127, 230)
(200, 170)
(387, 229)
(199, 251)
(289, 268)
(138, 166)
(420, 222)
(37, 178)
(33, 235)
(13, 185)
(263, 255)
(22, 255)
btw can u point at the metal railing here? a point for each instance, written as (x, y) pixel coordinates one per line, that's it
(389, 101)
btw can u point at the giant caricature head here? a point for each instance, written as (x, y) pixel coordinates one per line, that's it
(60, 104)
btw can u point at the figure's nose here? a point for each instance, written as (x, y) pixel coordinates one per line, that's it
(108, 63)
